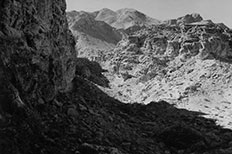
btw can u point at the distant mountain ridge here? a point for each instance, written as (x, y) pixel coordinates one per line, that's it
(91, 35)
(187, 19)
(120, 19)
(101, 30)
(125, 18)
(85, 23)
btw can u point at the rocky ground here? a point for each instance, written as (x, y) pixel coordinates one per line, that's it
(49, 104)
(189, 66)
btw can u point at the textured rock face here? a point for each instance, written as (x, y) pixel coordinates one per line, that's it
(181, 63)
(187, 19)
(92, 71)
(37, 49)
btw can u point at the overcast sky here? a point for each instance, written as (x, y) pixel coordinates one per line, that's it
(216, 10)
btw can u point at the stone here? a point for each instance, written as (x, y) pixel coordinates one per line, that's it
(54, 52)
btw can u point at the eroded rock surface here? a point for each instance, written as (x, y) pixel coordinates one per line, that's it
(36, 46)
(187, 19)
(187, 64)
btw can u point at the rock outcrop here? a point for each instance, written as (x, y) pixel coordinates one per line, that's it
(37, 50)
(176, 63)
(187, 19)
(92, 71)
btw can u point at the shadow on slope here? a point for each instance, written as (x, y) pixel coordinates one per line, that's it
(97, 29)
(92, 71)
(87, 120)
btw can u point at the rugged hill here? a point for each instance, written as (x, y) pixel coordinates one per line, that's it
(47, 107)
(92, 36)
(187, 64)
(99, 32)
(187, 19)
(125, 18)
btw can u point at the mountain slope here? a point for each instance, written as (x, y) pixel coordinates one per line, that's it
(187, 19)
(92, 36)
(187, 64)
(97, 29)
(99, 32)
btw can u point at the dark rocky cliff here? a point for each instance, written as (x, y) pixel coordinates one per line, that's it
(46, 109)
(37, 49)
(37, 56)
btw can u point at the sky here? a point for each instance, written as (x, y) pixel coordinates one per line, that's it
(216, 10)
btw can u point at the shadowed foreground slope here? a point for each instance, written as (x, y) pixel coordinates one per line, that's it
(86, 119)
(45, 108)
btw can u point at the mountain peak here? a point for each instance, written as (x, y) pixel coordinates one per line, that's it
(105, 14)
(190, 18)
(196, 15)
(106, 9)
(126, 10)
(186, 19)
(124, 18)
